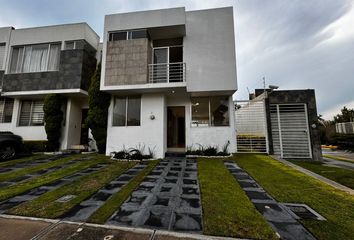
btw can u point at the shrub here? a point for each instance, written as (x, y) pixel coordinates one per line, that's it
(210, 151)
(121, 155)
(135, 154)
(98, 111)
(34, 146)
(53, 117)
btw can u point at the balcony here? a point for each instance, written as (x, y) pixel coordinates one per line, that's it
(167, 72)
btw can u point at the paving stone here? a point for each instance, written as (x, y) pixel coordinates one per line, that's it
(187, 222)
(168, 198)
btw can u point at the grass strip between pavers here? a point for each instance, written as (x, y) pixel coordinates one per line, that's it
(287, 184)
(227, 211)
(25, 186)
(338, 158)
(31, 169)
(45, 205)
(339, 175)
(113, 203)
(12, 162)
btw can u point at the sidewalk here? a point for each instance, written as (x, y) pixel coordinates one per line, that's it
(25, 228)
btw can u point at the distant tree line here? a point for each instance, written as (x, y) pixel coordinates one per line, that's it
(328, 130)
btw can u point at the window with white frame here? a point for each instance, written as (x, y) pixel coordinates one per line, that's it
(210, 111)
(6, 108)
(31, 113)
(127, 35)
(2, 56)
(126, 111)
(35, 58)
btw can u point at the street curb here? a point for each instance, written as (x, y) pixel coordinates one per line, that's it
(315, 175)
(151, 232)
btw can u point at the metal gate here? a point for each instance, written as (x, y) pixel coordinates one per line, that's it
(290, 131)
(251, 126)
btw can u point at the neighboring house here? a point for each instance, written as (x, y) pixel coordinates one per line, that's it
(279, 122)
(171, 74)
(345, 128)
(38, 61)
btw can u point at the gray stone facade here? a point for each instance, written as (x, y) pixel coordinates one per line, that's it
(75, 70)
(298, 96)
(127, 62)
(1, 77)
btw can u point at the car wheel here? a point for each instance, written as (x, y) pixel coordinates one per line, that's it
(7, 152)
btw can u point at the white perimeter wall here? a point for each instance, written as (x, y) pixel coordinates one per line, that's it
(151, 133)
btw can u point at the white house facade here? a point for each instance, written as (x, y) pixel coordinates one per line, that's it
(38, 61)
(171, 74)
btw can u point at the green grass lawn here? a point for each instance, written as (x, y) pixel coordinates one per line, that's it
(31, 169)
(45, 205)
(338, 158)
(112, 204)
(21, 187)
(21, 160)
(339, 175)
(227, 211)
(286, 184)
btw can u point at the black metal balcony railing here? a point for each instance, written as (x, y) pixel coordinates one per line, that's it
(167, 72)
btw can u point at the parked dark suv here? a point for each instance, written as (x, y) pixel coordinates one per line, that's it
(11, 145)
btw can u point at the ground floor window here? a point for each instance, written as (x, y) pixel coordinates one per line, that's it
(126, 111)
(210, 111)
(31, 113)
(6, 109)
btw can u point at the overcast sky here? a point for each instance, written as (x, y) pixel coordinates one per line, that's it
(295, 44)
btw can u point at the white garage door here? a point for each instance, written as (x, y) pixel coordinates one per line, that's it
(290, 131)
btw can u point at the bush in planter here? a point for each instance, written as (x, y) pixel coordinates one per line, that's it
(121, 155)
(135, 154)
(210, 151)
(53, 117)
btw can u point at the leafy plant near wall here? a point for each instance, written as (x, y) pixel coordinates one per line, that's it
(53, 117)
(209, 150)
(98, 111)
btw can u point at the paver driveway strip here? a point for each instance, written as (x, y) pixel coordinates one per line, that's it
(86, 208)
(36, 192)
(278, 217)
(42, 171)
(168, 198)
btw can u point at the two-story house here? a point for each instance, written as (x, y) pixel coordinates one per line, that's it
(38, 61)
(171, 74)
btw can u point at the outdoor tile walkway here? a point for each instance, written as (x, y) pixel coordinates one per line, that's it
(276, 215)
(36, 192)
(168, 198)
(86, 208)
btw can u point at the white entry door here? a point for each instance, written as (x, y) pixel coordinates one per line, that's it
(290, 131)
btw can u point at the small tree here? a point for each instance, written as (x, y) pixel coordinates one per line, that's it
(53, 117)
(346, 115)
(98, 111)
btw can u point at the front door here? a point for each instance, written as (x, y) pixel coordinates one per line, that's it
(176, 128)
(84, 129)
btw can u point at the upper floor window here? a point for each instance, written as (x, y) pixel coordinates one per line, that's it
(75, 44)
(31, 113)
(6, 108)
(126, 111)
(210, 111)
(127, 35)
(35, 58)
(2, 56)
